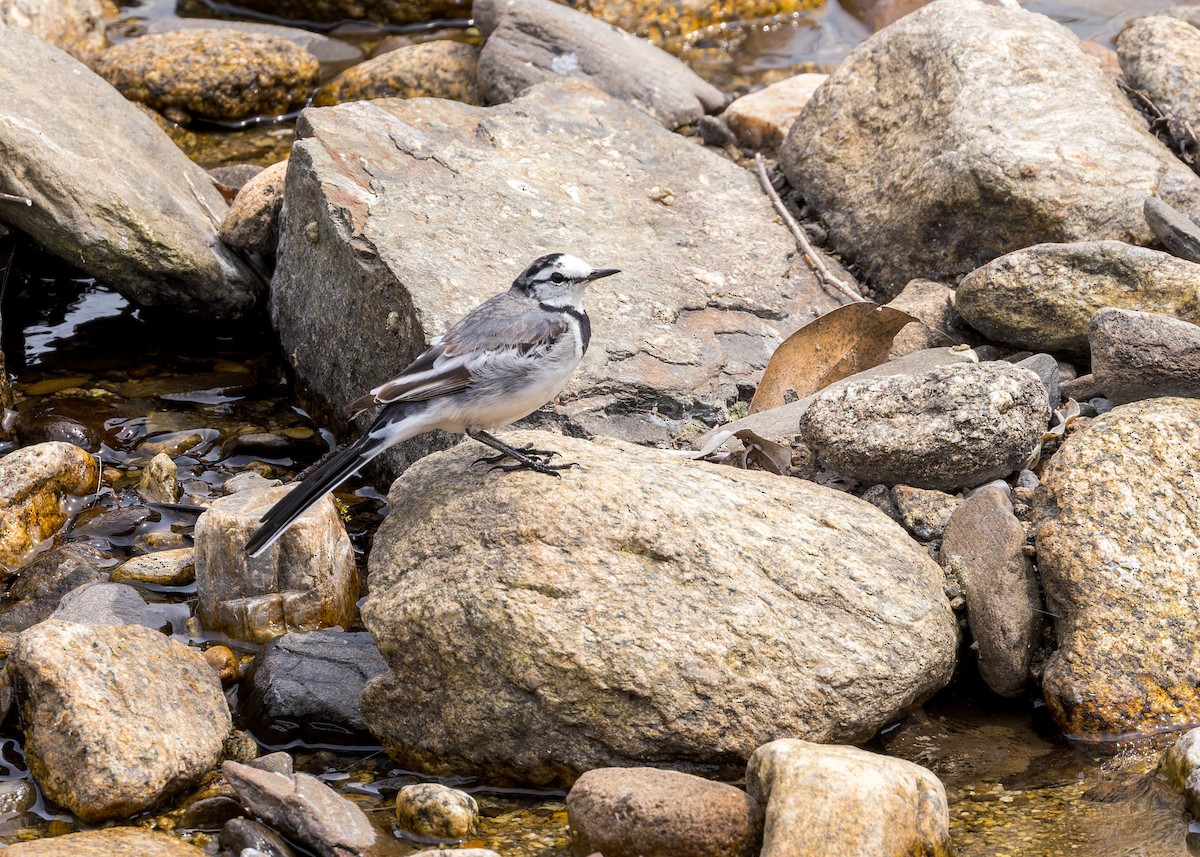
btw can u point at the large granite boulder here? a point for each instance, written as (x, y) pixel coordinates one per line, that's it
(936, 146)
(641, 609)
(404, 215)
(1118, 547)
(111, 193)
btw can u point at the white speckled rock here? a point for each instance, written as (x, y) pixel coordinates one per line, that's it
(1118, 545)
(639, 609)
(1161, 56)
(117, 717)
(953, 427)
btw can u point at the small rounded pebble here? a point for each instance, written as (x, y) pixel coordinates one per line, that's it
(433, 811)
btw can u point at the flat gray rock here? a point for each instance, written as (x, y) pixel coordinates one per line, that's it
(407, 214)
(984, 546)
(1177, 232)
(923, 165)
(641, 610)
(534, 41)
(1141, 355)
(304, 809)
(111, 193)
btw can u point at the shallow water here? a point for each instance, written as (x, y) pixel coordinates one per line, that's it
(139, 383)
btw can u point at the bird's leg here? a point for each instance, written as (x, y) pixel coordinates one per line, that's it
(526, 457)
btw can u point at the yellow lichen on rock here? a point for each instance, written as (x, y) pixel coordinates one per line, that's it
(34, 482)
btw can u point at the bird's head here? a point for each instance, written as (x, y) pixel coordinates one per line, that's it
(559, 279)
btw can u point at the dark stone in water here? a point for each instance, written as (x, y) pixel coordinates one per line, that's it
(115, 522)
(50, 428)
(307, 684)
(36, 593)
(210, 813)
(241, 833)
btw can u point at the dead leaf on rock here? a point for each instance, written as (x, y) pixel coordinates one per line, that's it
(758, 453)
(849, 339)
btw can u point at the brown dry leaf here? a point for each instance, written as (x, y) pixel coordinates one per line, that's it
(849, 339)
(765, 454)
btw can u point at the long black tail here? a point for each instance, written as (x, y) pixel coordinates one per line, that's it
(340, 467)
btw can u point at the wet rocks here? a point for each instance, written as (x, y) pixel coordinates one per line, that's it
(659, 22)
(1180, 768)
(984, 547)
(105, 843)
(307, 684)
(111, 193)
(438, 69)
(306, 580)
(1043, 298)
(105, 604)
(1141, 355)
(822, 800)
(1160, 55)
(35, 593)
(116, 718)
(923, 166)
(325, 11)
(160, 480)
(253, 220)
(1117, 535)
(761, 119)
(534, 41)
(648, 812)
(953, 427)
(34, 484)
(709, 286)
(175, 567)
(240, 834)
(434, 811)
(594, 614)
(304, 809)
(214, 74)
(75, 26)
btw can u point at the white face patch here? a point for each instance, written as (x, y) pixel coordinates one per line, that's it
(571, 267)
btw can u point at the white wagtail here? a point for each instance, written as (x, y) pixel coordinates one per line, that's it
(501, 362)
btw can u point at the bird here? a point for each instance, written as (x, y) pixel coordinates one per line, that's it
(499, 363)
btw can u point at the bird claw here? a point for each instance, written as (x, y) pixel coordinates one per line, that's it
(527, 450)
(535, 465)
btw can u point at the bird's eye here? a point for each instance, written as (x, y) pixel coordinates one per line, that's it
(556, 277)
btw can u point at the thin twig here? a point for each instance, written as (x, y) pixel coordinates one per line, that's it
(203, 203)
(806, 248)
(8, 197)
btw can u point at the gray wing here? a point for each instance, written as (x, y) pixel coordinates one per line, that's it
(500, 327)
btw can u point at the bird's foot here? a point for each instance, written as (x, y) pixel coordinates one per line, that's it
(538, 465)
(527, 450)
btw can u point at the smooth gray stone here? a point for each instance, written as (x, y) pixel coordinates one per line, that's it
(1176, 231)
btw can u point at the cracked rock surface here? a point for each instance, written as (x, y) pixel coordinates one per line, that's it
(404, 215)
(639, 610)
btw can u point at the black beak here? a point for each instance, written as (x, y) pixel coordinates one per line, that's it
(602, 272)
